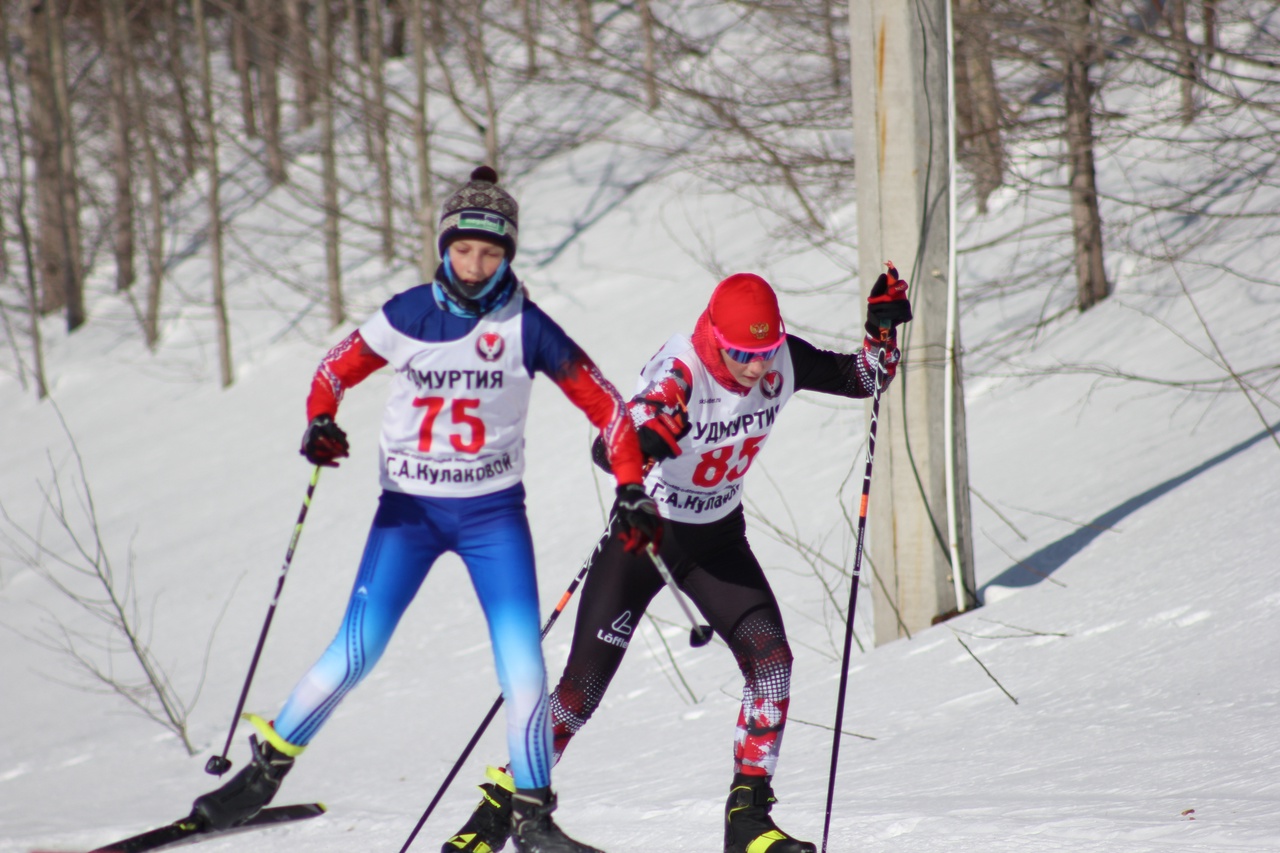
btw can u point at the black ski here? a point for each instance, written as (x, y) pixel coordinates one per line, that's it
(187, 831)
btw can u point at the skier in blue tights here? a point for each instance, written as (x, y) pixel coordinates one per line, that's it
(465, 348)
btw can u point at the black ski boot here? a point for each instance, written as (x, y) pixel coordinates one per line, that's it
(489, 826)
(532, 828)
(247, 792)
(747, 825)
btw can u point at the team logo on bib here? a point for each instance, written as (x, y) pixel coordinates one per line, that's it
(490, 346)
(771, 384)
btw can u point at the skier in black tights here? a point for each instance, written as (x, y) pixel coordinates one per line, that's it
(705, 406)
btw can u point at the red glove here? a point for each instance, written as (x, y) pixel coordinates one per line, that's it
(660, 434)
(661, 416)
(888, 306)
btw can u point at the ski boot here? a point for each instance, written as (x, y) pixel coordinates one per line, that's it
(489, 826)
(747, 825)
(532, 828)
(251, 788)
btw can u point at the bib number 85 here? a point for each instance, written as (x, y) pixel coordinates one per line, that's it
(715, 464)
(464, 422)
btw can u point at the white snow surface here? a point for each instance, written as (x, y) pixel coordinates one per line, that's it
(1143, 651)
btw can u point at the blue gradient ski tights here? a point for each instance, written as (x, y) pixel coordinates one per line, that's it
(491, 535)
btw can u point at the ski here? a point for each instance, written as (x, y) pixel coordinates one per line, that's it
(187, 831)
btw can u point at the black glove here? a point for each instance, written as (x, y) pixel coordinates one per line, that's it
(324, 442)
(639, 524)
(888, 306)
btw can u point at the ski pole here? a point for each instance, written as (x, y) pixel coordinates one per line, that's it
(497, 703)
(218, 764)
(699, 635)
(853, 587)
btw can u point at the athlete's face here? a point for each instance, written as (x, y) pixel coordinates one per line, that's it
(747, 375)
(475, 261)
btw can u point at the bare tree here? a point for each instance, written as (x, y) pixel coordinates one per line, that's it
(57, 211)
(650, 55)
(68, 180)
(337, 310)
(1078, 49)
(586, 25)
(1209, 14)
(242, 62)
(116, 30)
(87, 578)
(20, 217)
(1176, 11)
(304, 70)
(174, 33)
(472, 20)
(425, 209)
(221, 324)
(978, 105)
(267, 32)
(529, 33)
(379, 120)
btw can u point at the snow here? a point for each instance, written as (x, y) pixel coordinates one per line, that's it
(1118, 691)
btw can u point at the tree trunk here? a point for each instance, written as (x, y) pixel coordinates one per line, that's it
(155, 210)
(1091, 279)
(337, 311)
(178, 71)
(222, 327)
(586, 26)
(242, 61)
(68, 177)
(20, 217)
(359, 59)
(978, 105)
(1176, 10)
(529, 33)
(650, 56)
(479, 62)
(42, 125)
(422, 147)
(359, 31)
(1209, 14)
(116, 28)
(832, 46)
(61, 262)
(399, 28)
(379, 116)
(304, 67)
(266, 28)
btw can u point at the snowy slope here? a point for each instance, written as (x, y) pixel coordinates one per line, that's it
(1128, 573)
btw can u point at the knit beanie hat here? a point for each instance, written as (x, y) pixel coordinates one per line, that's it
(480, 208)
(744, 314)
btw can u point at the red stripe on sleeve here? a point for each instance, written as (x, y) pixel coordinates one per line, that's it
(583, 384)
(347, 364)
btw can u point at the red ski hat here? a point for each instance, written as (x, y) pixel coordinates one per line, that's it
(744, 314)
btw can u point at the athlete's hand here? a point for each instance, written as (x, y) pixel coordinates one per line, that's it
(661, 432)
(887, 306)
(639, 523)
(324, 442)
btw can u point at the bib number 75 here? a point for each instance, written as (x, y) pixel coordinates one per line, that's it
(715, 465)
(467, 435)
